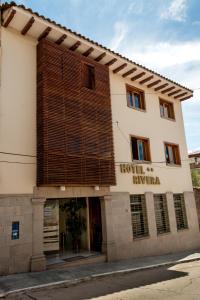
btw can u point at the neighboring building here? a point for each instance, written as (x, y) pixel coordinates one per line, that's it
(195, 172)
(194, 160)
(107, 136)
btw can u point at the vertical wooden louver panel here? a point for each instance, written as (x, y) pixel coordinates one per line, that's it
(74, 125)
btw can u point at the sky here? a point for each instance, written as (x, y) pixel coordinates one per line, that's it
(163, 35)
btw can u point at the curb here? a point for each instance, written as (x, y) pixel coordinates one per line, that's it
(68, 283)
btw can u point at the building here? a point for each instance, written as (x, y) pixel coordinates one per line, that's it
(195, 171)
(194, 160)
(89, 138)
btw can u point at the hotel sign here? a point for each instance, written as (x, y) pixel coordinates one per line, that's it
(140, 176)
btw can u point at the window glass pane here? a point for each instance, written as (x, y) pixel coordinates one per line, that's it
(134, 148)
(162, 110)
(166, 114)
(140, 150)
(139, 216)
(15, 231)
(171, 155)
(130, 99)
(137, 100)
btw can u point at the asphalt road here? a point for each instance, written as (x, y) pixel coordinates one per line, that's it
(181, 281)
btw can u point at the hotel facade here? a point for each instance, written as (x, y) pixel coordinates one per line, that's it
(93, 151)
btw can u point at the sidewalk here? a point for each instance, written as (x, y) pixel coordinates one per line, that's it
(71, 276)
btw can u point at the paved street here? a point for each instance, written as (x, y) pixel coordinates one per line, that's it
(181, 281)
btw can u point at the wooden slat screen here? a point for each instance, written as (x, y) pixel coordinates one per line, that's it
(74, 124)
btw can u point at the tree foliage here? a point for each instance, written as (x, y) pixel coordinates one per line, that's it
(196, 177)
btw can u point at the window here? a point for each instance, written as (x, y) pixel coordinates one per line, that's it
(135, 98)
(166, 109)
(180, 212)
(89, 76)
(139, 216)
(140, 148)
(161, 213)
(172, 154)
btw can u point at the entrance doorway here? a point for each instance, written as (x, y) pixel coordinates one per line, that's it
(72, 226)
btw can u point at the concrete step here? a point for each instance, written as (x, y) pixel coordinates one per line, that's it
(68, 263)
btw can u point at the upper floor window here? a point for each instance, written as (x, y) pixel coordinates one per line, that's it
(135, 98)
(140, 148)
(89, 76)
(172, 154)
(166, 109)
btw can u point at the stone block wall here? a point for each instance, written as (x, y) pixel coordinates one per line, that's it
(15, 254)
(154, 244)
(197, 199)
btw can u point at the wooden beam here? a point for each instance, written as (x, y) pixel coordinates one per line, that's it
(153, 83)
(185, 98)
(9, 19)
(161, 87)
(28, 26)
(119, 68)
(44, 33)
(100, 57)
(180, 95)
(111, 62)
(168, 90)
(146, 79)
(173, 93)
(75, 46)
(88, 51)
(61, 39)
(138, 76)
(129, 72)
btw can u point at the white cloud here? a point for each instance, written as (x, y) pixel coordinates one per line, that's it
(179, 61)
(176, 11)
(120, 32)
(161, 55)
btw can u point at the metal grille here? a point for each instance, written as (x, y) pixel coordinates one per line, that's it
(139, 216)
(161, 213)
(180, 212)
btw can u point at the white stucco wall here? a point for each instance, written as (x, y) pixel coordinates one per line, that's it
(18, 125)
(17, 112)
(148, 124)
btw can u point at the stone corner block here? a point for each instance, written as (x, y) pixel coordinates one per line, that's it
(38, 263)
